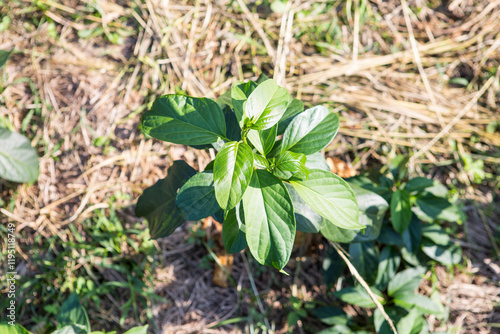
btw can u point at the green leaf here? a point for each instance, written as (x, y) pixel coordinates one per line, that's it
(372, 209)
(409, 322)
(412, 236)
(18, 160)
(5, 328)
(263, 140)
(185, 120)
(381, 325)
(435, 234)
(387, 267)
(400, 210)
(447, 255)
(225, 100)
(398, 167)
(239, 97)
(293, 109)
(331, 197)
(289, 164)
(262, 77)
(418, 184)
(266, 104)
(407, 280)
(388, 236)
(4, 56)
(358, 296)
(157, 203)
(233, 169)
(233, 129)
(269, 219)
(364, 257)
(317, 161)
(311, 131)
(196, 199)
(431, 207)
(71, 329)
(331, 315)
(307, 219)
(138, 330)
(333, 266)
(233, 236)
(423, 303)
(260, 162)
(72, 313)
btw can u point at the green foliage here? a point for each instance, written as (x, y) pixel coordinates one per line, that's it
(261, 188)
(18, 160)
(72, 313)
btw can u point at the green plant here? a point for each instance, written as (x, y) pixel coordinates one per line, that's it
(18, 160)
(262, 187)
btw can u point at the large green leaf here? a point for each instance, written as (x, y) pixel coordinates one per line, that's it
(412, 236)
(430, 207)
(423, 303)
(263, 140)
(185, 120)
(388, 236)
(331, 197)
(196, 199)
(372, 209)
(71, 329)
(269, 218)
(4, 56)
(436, 234)
(138, 330)
(72, 313)
(418, 184)
(364, 257)
(18, 160)
(289, 164)
(310, 131)
(266, 105)
(239, 97)
(6, 328)
(307, 219)
(317, 161)
(233, 169)
(292, 110)
(381, 325)
(359, 296)
(233, 129)
(233, 236)
(400, 210)
(331, 315)
(157, 203)
(409, 322)
(387, 267)
(406, 281)
(448, 255)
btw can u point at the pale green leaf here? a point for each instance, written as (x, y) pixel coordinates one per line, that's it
(289, 164)
(18, 160)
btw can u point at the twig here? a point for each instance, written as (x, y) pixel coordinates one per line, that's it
(363, 283)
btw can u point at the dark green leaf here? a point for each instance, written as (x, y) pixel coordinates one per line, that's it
(358, 296)
(407, 280)
(306, 218)
(293, 109)
(372, 208)
(138, 330)
(400, 210)
(196, 199)
(289, 164)
(331, 315)
(331, 197)
(333, 266)
(423, 303)
(71, 329)
(418, 184)
(317, 161)
(338, 329)
(310, 131)
(412, 236)
(239, 97)
(398, 167)
(72, 313)
(390, 237)
(157, 203)
(269, 219)
(263, 140)
(233, 169)
(431, 207)
(232, 235)
(381, 325)
(435, 234)
(364, 257)
(4, 56)
(233, 130)
(266, 104)
(185, 120)
(18, 160)
(447, 255)
(5, 328)
(262, 77)
(387, 267)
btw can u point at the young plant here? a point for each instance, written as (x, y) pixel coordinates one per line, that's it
(268, 178)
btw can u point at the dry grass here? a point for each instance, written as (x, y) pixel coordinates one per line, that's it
(386, 74)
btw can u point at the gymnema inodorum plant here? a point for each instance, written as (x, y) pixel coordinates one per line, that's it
(268, 179)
